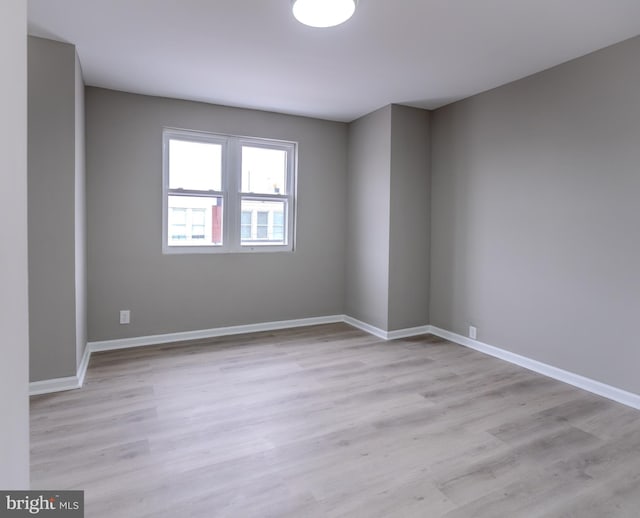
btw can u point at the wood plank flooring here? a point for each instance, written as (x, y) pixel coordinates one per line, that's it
(328, 421)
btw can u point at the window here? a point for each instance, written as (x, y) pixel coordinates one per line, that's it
(227, 194)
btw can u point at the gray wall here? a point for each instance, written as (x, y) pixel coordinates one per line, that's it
(409, 218)
(173, 293)
(367, 263)
(388, 219)
(55, 185)
(14, 402)
(535, 216)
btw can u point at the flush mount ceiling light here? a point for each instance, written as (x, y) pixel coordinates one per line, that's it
(323, 13)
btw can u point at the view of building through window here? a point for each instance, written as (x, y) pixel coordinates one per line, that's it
(195, 221)
(201, 181)
(262, 220)
(264, 171)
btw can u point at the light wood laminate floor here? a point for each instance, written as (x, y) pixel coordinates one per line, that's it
(327, 421)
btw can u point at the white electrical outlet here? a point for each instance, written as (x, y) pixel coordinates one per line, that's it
(473, 332)
(125, 316)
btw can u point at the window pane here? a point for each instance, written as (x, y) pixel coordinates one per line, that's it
(197, 216)
(197, 224)
(262, 227)
(178, 223)
(195, 221)
(245, 224)
(267, 228)
(178, 215)
(264, 171)
(178, 232)
(278, 225)
(195, 165)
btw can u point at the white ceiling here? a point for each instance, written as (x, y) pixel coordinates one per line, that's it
(252, 53)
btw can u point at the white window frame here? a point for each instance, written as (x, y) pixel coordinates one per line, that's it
(231, 194)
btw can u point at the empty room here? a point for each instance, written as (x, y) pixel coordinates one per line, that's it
(310, 258)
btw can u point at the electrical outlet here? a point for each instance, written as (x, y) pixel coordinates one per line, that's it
(473, 332)
(125, 316)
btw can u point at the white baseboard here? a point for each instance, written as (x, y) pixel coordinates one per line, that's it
(74, 382)
(84, 364)
(61, 384)
(596, 387)
(381, 333)
(141, 341)
(588, 384)
(363, 326)
(407, 332)
(54, 385)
